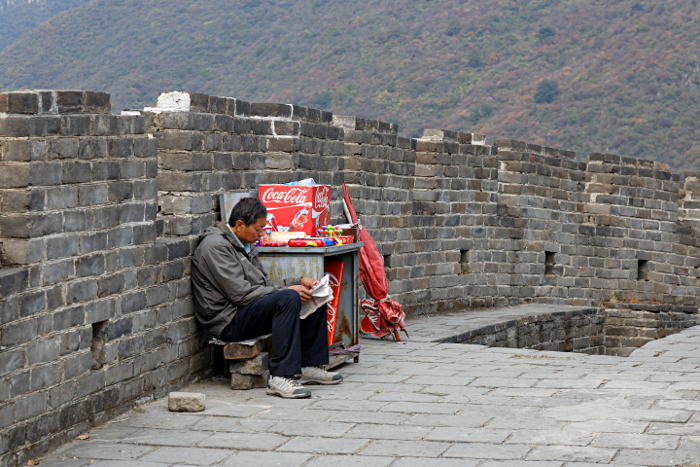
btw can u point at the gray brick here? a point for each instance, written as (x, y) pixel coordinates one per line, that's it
(77, 220)
(78, 365)
(30, 406)
(43, 351)
(13, 281)
(69, 317)
(93, 242)
(75, 125)
(107, 216)
(12, 360)
(90, 265)
(89, 195)
(69, 342)
(45, 376)
(120, 148)
(61, 394)
(20, 383)
(61, 198)
(14, 176)
(105, 170)
(45, 173)
(77, 172)
(54, 298)
(19, 333)
(132, 169)
(133, 302)
(81, 291)
(110, 285)
(63, 148)
(45, 224)
(93, 149)
(32, 303)
(157, 295)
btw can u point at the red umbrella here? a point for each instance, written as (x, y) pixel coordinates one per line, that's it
(382, 316)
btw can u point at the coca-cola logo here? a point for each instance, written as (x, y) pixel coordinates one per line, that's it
(323, 198)
(291, 196)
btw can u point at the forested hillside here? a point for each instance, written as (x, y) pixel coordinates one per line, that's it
(586, 75)
(20, 16)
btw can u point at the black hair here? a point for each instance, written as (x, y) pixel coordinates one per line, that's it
(248, 210)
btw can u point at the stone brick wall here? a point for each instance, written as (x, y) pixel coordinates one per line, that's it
(94, 308)
(99, 215)
(630, 326)
(581, 331)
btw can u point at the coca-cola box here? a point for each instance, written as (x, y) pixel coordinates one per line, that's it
(294, 208)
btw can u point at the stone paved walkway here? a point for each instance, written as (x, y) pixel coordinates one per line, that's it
(436, 405)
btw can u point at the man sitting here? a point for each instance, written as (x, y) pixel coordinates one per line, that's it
(235, 300)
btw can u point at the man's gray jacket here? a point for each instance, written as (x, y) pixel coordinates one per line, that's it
(225, 278)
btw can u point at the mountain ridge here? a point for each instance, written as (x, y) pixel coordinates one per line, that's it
(627, 74)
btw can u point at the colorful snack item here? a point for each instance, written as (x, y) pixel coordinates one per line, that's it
(312, 242)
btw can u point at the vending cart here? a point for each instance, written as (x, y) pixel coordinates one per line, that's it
(283, 262)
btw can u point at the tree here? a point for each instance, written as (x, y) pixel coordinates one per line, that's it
(453, 28)
(475, 116)
(546, 32)
(475, 59)
(486, 110)
(547, 91)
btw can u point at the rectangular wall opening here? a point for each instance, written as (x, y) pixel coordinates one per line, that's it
(464, 261)
(99, 339)
(387, 261)
(642, 270)
(549, 263)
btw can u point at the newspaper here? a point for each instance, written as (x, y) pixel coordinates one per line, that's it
(320, 295)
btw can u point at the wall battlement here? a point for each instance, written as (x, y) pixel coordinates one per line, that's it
(99, 215)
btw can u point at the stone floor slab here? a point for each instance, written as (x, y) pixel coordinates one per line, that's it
(399, 432)
(404, 448)
(234, 425)
(244, 441)
(324, 445)
(636, 441)
(260, 458)
(439, 462)
(104, 463)
(468, 435)
(314, 428)
(487, 451)
(421, 403)
(563, 437)
(571, 453)
(521, 463)
(111, 451)
(156, 437)
(187, 456)
(350, 461)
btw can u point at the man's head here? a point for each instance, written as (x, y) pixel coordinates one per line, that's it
(247, 220)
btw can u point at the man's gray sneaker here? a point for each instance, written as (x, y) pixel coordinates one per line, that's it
(287, 388)
(315, 375)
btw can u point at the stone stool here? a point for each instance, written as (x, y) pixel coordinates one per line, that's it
(248, 362)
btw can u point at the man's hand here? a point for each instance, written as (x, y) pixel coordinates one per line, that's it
(308, 282)
(304, 292)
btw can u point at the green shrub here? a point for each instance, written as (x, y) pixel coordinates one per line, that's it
(546, 32)
(547, 91)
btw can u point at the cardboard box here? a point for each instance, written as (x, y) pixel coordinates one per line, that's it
(293, 208)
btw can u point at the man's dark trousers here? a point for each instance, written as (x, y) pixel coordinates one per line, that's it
(297, 342)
